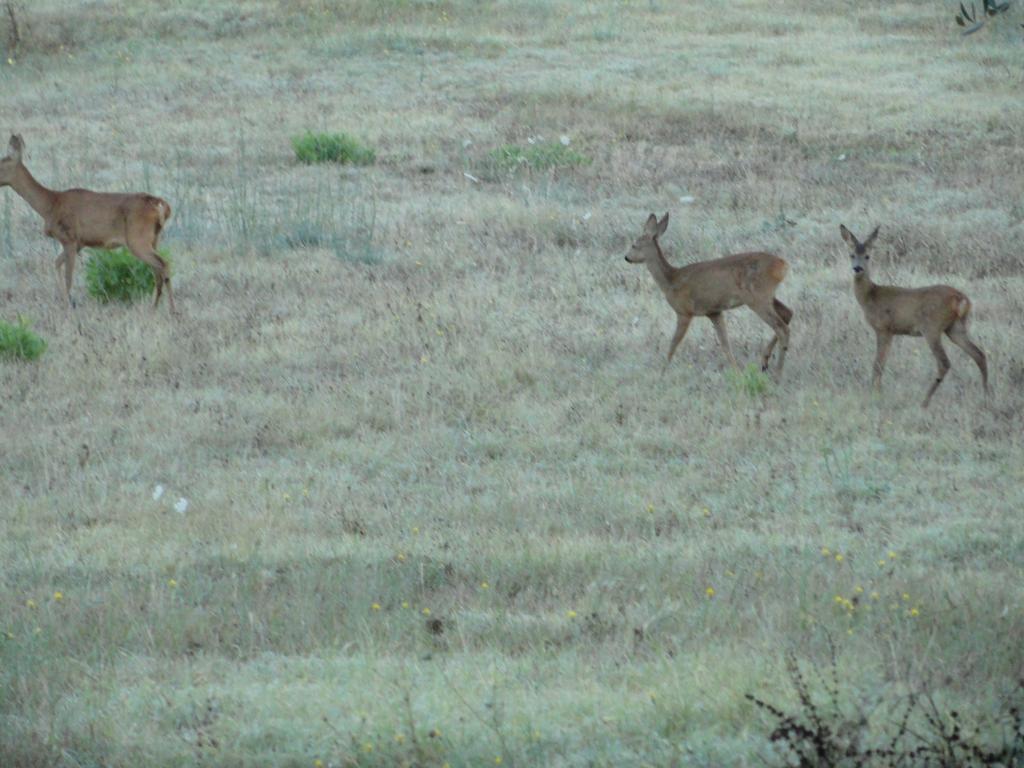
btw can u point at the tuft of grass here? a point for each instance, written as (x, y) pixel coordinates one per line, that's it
(511, 158)
(340, 148)
(18, 342)
(750, 381)
(117, 275)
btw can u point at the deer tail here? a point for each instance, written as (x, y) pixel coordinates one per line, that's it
(164, 210)
(778, 269)
(962, 307)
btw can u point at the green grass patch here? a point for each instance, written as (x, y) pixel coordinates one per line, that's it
(18, 342)
(117, 275)
(341, 148)
(750, 381)
(511, 158)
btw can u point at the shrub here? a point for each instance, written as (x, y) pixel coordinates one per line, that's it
(117, 275)
(536, 157)
(17, 342)
(901, 732)
(331, 148)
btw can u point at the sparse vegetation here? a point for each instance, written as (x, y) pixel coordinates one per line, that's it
(117, 275)
(18, 342)
(331, 148)
(447, 508)
(539, 156)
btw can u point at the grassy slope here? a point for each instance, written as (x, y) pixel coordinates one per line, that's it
(468, 419)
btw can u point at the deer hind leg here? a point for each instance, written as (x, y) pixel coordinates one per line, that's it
(935, 342)
(883, 342)
(777, 324)
(682, 325)
(957, 333)
(161, 276)
(782, 311)
(718, 320)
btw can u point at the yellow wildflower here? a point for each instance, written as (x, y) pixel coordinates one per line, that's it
(839, 558)
(426, 611)
(826, 551)
(30, 603)
(571, 614)
(172, 583)
(58, 596)
(375, 607)
(710, 592)
(914, 612)
(484, 585)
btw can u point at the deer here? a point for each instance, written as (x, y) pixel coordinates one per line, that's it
(710, 288)
(929, 312)
(79, 218)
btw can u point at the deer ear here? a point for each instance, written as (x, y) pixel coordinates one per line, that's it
(651, 225)
(14, 147)
(871, 237)
(848, 236)
(663, 224)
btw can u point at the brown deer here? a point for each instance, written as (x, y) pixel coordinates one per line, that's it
(709, 288)
(78, 218)
(928, 312)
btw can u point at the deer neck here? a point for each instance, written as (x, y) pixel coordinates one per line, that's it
(35, 194)
(862, 287)
(660, 269)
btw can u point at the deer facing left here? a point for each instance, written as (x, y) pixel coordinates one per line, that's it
(710, 288)
(79, 218)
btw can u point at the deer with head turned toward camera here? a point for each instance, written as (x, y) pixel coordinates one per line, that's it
(928, 312)
(79, 218)
(710, 288)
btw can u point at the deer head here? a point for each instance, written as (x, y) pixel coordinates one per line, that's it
(646, 245)
(859, 251)
(10, 163)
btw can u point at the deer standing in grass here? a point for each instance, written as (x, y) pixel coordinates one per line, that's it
(78, 218)
(709, 288)
(928, 312)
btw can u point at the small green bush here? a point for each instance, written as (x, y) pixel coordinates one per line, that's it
(535, 157)
(331, 148)
(117, 275)
(17, 342)
(750, 381)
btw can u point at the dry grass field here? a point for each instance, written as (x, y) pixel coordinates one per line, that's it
(442, 506)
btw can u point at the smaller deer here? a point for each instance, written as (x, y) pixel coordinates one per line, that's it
(709, 288)
(78, 218)
(928, 312)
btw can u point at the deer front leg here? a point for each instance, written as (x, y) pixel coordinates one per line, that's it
(66, 260)
(682, 324)
(883, 341)
(718, 320)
